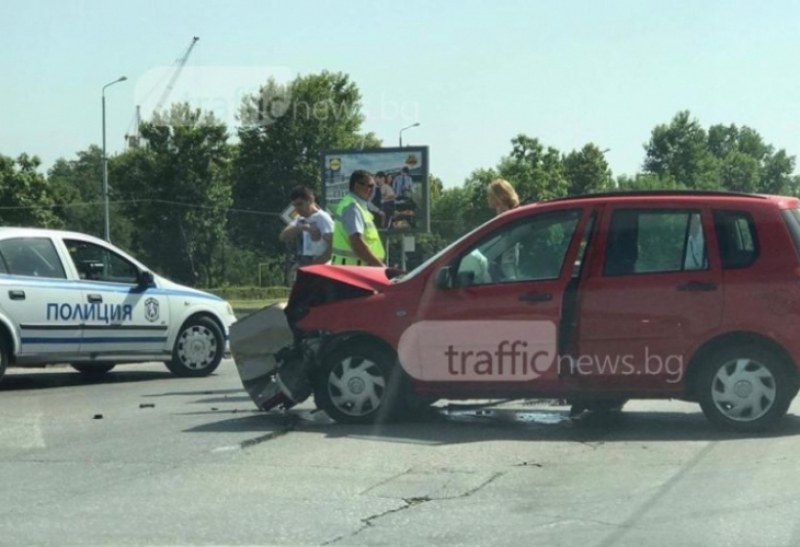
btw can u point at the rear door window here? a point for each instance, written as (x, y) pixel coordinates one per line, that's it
(31, 256)
(737, 237)
(792, 218)
(643, 241)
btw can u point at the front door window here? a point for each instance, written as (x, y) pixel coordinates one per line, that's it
(529, 250)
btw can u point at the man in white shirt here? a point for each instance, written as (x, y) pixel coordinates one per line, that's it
(313, 224)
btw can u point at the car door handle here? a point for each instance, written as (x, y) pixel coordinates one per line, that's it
(535, 297)
(16, 295)
(698, 286)
(94, 298)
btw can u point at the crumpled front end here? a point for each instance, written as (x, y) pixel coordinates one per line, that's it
(274, 357)
(261, 343)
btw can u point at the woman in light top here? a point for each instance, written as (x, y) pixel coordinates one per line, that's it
(502, 196)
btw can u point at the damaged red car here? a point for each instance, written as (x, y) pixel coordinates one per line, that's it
(595, 299)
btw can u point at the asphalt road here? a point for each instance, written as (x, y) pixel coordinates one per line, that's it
(142, 458)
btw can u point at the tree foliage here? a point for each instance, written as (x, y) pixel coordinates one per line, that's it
(179, 189)
(26, 198)
(76, 185)
(284, 130)
(724, 157)
(205, 211)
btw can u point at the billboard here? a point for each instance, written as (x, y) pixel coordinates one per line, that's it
(400, 201)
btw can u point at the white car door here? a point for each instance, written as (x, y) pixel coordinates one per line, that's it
(42, 303)
(126, 319)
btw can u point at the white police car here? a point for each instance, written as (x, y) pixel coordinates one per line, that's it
(72, 298)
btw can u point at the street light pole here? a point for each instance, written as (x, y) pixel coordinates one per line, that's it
(401, 132)
(105, 161)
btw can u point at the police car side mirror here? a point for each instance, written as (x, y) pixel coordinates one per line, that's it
(444, 278)
(145, 278)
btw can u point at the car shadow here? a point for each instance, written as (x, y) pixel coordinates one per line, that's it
(199, 393)
(445, 427)
(16, 380)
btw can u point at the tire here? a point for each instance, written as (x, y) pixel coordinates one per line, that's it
(606, 405)
(4, 355)
(359, 384)
(198, 350)
(745, 388)
(93, 370)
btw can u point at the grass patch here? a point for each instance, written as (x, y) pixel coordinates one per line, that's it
(250, 306)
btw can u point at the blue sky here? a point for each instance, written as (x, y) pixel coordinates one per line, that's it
(473, 73)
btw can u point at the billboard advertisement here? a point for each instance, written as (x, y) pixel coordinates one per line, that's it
(400, 200)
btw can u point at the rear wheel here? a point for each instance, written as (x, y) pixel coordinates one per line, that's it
(4, 355)
(198, 349)
(358, 383)
(93, 370)
(746, 388)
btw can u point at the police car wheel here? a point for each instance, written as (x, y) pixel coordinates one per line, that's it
(358, 383)
(92, 370)
(198, 349)
(3, 354)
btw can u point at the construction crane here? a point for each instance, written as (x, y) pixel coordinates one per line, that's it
(180, 64)
(133, 140)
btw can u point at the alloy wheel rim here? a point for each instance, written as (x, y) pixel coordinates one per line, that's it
(356, 386)
(197, 348)
(743, 390)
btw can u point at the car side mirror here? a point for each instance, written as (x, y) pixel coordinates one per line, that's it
(145, 278)
(444, 278)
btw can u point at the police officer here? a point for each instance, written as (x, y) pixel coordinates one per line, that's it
(356, 241)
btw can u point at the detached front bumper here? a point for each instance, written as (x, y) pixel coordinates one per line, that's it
(262, 343)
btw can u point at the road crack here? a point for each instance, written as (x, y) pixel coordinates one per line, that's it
(289, 424)
(408, 503)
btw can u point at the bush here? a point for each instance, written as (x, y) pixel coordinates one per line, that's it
(241, 267)
(250, 293)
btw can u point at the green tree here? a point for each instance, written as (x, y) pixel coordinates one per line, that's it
(26, 197)
(535, 172)
(436, 187)
(680, 149)
(587, 171)
(77, 187)
(450, 213)
(646, 182)
(284, 130)
(178, 188)
(725, 157)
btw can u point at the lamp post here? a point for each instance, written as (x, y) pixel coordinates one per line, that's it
(401, 132)
(105, 161)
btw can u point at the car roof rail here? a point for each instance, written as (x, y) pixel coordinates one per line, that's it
(645, 193)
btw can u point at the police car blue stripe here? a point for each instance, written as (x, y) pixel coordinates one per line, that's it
(109, 340)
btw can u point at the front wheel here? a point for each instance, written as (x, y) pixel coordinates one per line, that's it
(198, 349)
(4, 355)
(358, 384)
(746, 388)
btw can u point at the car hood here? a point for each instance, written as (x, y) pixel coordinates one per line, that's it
(363, 277)
(176, 288)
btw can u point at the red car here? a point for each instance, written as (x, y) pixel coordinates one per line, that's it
(595, 299)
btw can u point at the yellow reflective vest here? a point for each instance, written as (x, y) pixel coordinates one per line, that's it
(341, 252)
